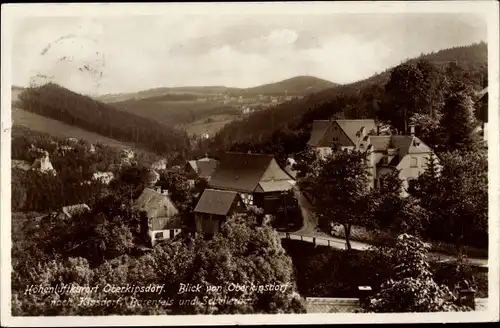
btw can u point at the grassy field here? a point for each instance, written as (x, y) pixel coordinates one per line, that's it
(209, 125)
(59, 129)
(175, 113)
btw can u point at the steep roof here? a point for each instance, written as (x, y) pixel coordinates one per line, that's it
(155, 204)
(75, 209)
(240, 171)
(318, 131)
(204, 167)
(216, 202)
(207, 168)
(352, 127)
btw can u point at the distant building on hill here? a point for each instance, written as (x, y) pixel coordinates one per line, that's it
(104, 177)
(68, 212)
(43, 164)
(127, 153)
(159, 165)
(163, 219)
(214, 207)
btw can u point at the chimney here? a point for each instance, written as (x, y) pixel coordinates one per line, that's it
(165, 192)
(378, 130)
(412, 130)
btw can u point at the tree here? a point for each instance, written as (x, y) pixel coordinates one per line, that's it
(455, 196)
(413, 289)
(391, 211)
(411, 89)
(458, 122)
(306, 161)
(341, 190)
(244, 254)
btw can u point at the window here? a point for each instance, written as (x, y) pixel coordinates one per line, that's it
(159, 235)
(411, 184)
(414, 162)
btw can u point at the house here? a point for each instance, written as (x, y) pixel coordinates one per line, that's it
(43, 164)
(406, 153)
(67, 212)
(201, 168)
(341, 134)
(104, 177)
(159, 165)
(214, 207)
(73, 140)
(257, 178)
(64, 149)
(163, 219)
(127, 153)
(92, 148)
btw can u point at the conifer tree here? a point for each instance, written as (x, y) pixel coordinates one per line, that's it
(458, 122)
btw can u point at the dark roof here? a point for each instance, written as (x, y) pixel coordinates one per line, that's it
(207, 168)
(155, 204)
(216, 202)
(204, 167)
(318, 131)
(240, 171)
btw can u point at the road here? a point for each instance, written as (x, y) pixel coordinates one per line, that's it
(310, 232)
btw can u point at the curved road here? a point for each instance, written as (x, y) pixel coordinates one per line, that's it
(311, 233)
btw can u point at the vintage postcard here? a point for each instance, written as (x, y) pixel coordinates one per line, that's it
(250, 163)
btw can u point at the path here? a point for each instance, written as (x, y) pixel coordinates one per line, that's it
(310, 233)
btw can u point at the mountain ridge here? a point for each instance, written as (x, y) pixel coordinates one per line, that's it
(297, 85)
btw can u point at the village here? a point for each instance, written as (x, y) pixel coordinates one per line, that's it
(287, 167)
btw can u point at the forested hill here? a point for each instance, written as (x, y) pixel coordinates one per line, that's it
(295, 86)
(299, 85)
(54, 101)
(362, 99)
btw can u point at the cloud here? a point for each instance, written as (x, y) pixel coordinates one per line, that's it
(140, 52)
(282, 37)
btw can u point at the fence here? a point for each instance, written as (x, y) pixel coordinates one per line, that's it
(313, 239)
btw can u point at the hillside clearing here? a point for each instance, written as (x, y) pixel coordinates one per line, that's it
(59, 129)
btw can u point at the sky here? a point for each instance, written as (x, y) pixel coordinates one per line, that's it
(100, 55)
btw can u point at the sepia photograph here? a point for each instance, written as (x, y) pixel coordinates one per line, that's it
(250, 163)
